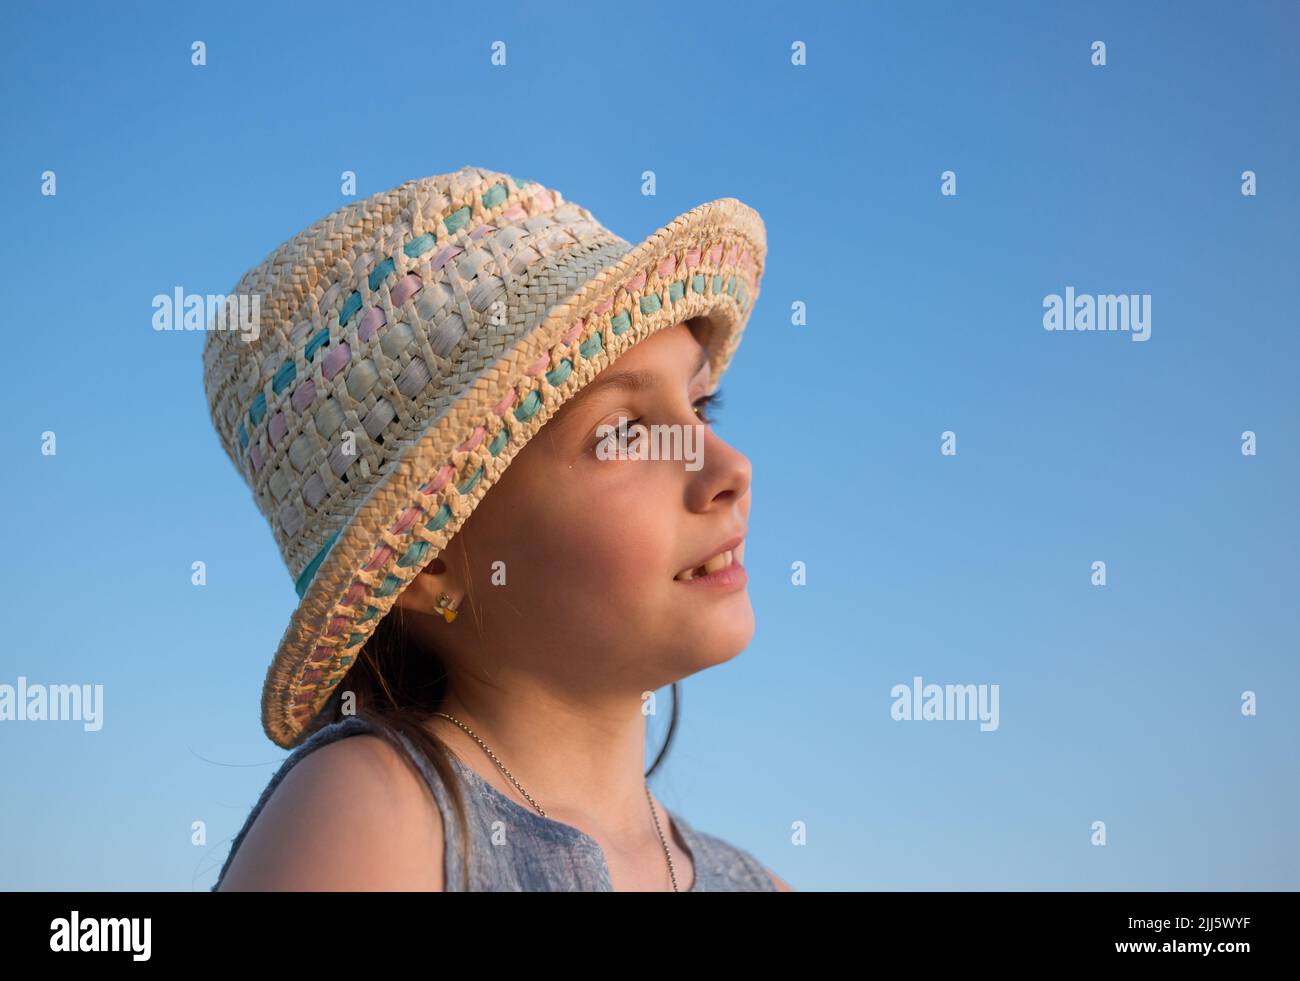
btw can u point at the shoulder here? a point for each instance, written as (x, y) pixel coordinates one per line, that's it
(348, 814)
(729, 866)
(780, 883)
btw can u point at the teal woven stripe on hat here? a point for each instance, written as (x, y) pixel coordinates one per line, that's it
(309, 573)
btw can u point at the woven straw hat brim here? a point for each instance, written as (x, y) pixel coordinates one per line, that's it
(706, 263)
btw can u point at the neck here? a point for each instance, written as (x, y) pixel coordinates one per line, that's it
(582, 761)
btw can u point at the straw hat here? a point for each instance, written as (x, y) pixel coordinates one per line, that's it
(407, 346)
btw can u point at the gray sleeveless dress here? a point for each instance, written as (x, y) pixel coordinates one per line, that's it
(542, 855)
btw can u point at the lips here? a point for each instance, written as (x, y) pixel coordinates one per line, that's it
(721, 557)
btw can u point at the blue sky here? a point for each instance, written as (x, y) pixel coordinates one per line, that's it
(1118, 704)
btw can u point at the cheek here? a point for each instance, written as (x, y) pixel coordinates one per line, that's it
(568, 539)
(618, 542)
(615, 553)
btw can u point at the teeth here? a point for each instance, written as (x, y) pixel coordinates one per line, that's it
(719, 561)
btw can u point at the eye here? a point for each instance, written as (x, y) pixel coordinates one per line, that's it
(619, 434)
(707, 406)
(705, 409)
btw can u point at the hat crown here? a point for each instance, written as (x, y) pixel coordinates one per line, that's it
(370, 323)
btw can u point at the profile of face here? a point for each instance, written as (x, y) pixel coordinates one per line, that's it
(568, 569)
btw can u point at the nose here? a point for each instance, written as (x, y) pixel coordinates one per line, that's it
(723, 479)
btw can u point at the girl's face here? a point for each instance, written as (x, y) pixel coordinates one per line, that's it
(567, 566)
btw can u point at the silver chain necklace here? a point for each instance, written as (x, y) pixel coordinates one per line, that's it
(653, 812)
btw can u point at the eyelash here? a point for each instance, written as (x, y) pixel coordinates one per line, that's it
(708, 404)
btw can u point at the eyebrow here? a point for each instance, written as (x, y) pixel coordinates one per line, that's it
(629, 381)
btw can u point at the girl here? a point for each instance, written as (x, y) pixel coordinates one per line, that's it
(492, 654)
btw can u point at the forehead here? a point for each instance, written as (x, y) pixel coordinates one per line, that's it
(671, 348)
(665, 357)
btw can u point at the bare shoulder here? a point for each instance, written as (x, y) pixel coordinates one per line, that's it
(351, 815)
(780, 883)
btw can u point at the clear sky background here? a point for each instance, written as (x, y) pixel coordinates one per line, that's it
(1119, 704)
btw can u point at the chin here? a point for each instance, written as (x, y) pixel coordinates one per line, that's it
(721, 640)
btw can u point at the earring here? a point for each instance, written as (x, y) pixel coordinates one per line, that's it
(445, 604)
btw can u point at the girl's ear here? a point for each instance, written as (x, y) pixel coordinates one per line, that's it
(420, 596)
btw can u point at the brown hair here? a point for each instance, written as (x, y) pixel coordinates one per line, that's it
(397, 688)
